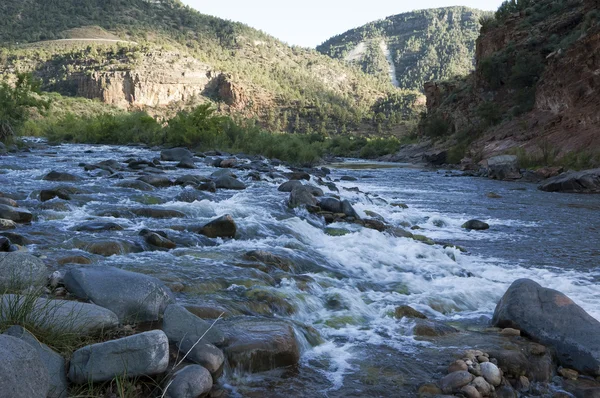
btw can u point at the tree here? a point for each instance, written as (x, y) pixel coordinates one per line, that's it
(16, 102)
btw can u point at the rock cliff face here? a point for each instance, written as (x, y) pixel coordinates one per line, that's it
(535, 87)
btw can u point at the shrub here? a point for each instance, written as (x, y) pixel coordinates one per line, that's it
(436, 126)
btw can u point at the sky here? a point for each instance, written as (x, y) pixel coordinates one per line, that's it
(308, 23)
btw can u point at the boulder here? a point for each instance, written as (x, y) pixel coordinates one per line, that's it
(8, 202)
(108, 247)
(227, 182)
(133, 297)
(408, 312)
(348, 210)
(61, 193)
(504, 167)
(298, 175)
(185, 329)
(188, 180)
(23, 373)
(586, 181)
(551, 318)
(54, 362)
(192, 195)
(223, 173)
(63, 177)
(228, 163)
(156, 181)
(21, 270)
(59, 315)
(143, 354)
(157, 240)
(176, 154)
(96, 226)
(186, 164)
(476, 225)
(260, 344)
(190, 382)
(208, 186)
(222, 227)
(301, 196)
(135, 184)
(331, 204)
(455, 381)
(289, 186)
(15, 214)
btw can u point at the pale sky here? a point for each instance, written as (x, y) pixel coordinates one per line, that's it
(310, 22)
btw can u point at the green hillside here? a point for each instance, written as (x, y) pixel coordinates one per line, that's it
(423, 45)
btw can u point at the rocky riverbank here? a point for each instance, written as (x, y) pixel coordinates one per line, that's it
(75, 320)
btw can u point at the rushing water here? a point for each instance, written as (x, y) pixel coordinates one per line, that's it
(345, 287)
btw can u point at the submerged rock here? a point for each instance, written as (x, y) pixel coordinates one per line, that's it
(222, 227)
(271, 259)
(476, 225)
(427, 328)
(551, 318)
(133, 297)
(98, 226)
(157, 239)
(23, 373)
(143, 354)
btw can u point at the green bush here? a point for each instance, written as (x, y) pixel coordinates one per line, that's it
(436, 126)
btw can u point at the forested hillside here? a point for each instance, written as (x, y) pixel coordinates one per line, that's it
(412, 48)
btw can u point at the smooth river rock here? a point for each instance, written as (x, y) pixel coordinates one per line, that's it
(586, 181)
(132, 296)
(475, 225)
(53, 361)
(21, 270)
(16, 214)
(455, 381)
(143, 354)
(551, 318)
(222, 227)
(190, 382)
(181, 326)
(23, 372)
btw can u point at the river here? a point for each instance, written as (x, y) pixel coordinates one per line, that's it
(343, 287)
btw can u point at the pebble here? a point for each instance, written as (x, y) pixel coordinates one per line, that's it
(510, 332)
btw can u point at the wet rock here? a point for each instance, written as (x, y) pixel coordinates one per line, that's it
(298, 175)
(21, 270)
(150, 212)
(399, 205)
(336, 231)
(227, 182)
(587, 181)
(228, 163)
(271, 259)
(16, 238)
(301, 196)
(493, 195)
(7, 224)
(510, 332)
(348, 210)
(582, 388)
(409, 312)
(98, 226)
(222, 227)
(374, 224)
(192, 180)
(23, 373)
(223, 173)
(475, 225)
(192, 195)
(260, 344)
(314, 190)
(156, 239)
(491, 373)
(457, 366)
(190, 382)
(185, 329)
(399, 233)
(429, 390)
(139, 164)
(61, 315)
(332, 205)
(348, 178)
(504, 167)
(61, 193)
(186, 164)
(15, 214)
(108, 247)
(482, 386)
(455, 381)
(567, 373)
(470, 391)
(8, 202)
(77, 259)
(54, 362)
(427, 328)
(132, 296)
(552, 318)
(289, 186)
(5, 244)
(208, 186)
(203, 354)
(176, 155)
(156, 181)
(63, 177)
(135, 184)
(143, 354)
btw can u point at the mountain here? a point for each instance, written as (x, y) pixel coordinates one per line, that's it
(412, 48)
(160, 55)
(534, 91)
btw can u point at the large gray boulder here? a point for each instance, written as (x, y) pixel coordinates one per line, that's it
(227, 182)
(586, 181)
(190, 382)
(58, 315)
(301, 196)
(15, 214)
(221, 227)
(553, 319)
(157, 181)
(60, 176)
(504, 167)
(143, 354)
(176, 154)
(133, 297)
(53, 361)
(23, 373)
(260, 344)
(184, 328)
(21, 270)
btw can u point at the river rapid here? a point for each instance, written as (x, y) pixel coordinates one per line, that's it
(342, 290)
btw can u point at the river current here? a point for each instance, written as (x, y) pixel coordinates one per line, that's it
(344, 288)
